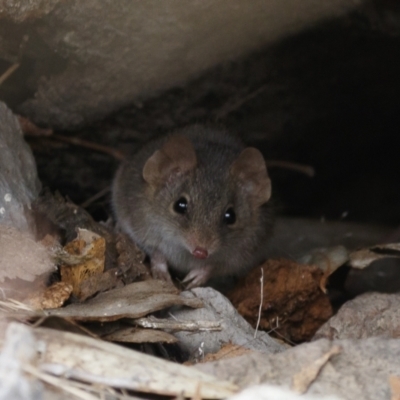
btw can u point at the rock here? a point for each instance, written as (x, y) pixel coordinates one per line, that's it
(19, 183)
(22, 257)
(24, 263)
(235, 329)
(361, 370)
(268, 392)
(294, 237)
(19, 11)
(89, 58)
(371, 314)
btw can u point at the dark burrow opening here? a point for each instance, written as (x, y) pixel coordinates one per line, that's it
(327, 98)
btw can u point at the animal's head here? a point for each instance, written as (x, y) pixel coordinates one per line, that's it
(206, 208)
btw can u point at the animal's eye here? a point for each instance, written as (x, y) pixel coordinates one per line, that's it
(180, 206)
(230, 216)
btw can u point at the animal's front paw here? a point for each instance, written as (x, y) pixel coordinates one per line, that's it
(161, 274)
(197, 277)
(159, 268)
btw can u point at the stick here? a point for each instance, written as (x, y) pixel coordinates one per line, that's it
(261, 301)
(10, 70)
(90, 145)
(304, 169)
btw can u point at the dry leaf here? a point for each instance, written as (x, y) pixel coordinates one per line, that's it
(131, 258)
(56, 295)
(227, 351)
(100, 283)
(139, 335)
(394, 382)
(197, 394)
(52, 297)
(327, 260)
(303, 379)
(132, 301)
(362, 258)
(87, 253)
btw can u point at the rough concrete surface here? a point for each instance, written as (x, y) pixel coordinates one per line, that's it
(113, 53)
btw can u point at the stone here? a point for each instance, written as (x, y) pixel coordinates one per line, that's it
(235, 330)
(19, 183)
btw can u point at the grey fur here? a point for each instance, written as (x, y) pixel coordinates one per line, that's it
(150, 222)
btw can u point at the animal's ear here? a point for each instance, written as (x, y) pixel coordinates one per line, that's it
(250, 171)
(175, 158)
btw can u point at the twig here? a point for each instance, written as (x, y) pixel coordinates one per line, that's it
(10, 305)
(59, 383)
(31, 129)
(304, 169)
(10, 70)
(261, 301)
(95, 197)
(233, 105)
(118, 155)
(287, 340)
(191, 326)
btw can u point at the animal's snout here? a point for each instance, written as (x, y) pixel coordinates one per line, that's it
(200, 252)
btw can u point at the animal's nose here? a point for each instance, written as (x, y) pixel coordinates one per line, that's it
(200, 252)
